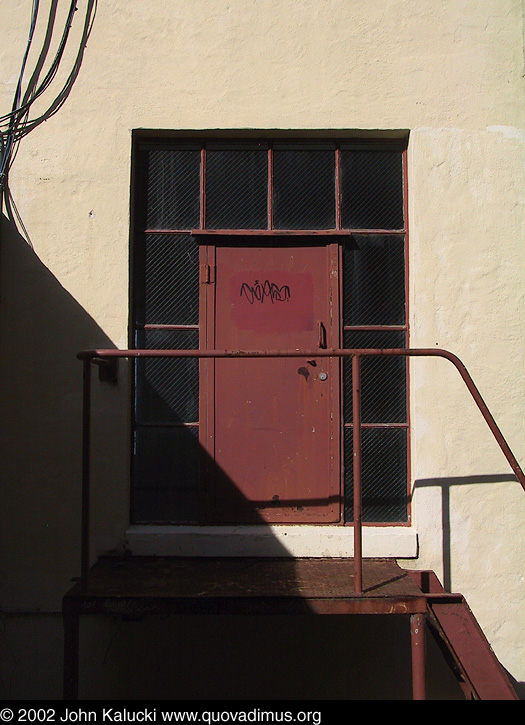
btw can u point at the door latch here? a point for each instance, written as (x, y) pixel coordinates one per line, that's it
(322, 336)
(206, 274)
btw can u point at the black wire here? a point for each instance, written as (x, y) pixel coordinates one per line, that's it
(19, 123)
(53, 69)
(6, 148)
(61, 97)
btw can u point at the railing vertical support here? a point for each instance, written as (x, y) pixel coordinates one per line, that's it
(356, 440)
(86, 471)
(417, 637)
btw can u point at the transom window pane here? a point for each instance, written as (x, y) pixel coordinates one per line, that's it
(237, 187)
(372, 189)
(304, 188)
(173, 189)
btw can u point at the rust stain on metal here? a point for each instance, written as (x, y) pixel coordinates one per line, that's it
(304, 372)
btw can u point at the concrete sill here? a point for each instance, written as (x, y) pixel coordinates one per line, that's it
(278, 540)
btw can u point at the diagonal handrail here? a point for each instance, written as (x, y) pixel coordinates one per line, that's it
(105, 356)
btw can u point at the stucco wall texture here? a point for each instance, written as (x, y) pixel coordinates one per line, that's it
(450, 73)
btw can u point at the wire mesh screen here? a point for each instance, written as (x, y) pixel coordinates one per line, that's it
(383, 379)
(237, 188)
(168, 293)
(173, 189)
(372, 189)
(167, 390)
(374, 280)
(383, 475)
(304, 189)
(165, 475)
(229, 185)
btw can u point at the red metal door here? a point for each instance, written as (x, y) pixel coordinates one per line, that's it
(272, 422)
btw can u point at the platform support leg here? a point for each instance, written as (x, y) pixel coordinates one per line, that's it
(417, 637)
(71, 655)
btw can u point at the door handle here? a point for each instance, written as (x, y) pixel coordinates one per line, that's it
(322, 336)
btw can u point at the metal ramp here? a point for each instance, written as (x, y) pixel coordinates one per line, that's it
(463, 643)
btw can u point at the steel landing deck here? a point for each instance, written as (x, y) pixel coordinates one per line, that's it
(143, 585)
(134, 587)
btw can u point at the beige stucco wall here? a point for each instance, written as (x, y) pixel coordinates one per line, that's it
(449, 72)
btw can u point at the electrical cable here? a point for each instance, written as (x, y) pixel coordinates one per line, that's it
(53, 70)
(18, 122)
(6, 148)
(51, 74)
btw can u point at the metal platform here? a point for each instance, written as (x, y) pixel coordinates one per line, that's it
(141, 586)
(243, 585)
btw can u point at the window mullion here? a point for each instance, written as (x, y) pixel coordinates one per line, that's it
(338, 187)
(270, 186)
(203, 188)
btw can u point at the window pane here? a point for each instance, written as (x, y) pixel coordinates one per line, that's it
(237, 188)
(383, 379)
(170, 288)
(304, 189)
(383, 474)
(372, 189)
(374, 280)
(165, 475)
(173, 189)
(167, 390)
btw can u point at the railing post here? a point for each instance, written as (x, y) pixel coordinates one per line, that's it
(417, 637)
(86, 471)
(356, 440)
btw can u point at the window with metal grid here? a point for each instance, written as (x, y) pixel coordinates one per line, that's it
(353, 188)
(374, 316)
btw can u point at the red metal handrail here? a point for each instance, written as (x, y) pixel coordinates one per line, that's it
(104, 356)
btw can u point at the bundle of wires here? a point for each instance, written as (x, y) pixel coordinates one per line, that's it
(18, 123)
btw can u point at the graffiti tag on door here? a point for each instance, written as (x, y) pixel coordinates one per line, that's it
(272, 301)
(260, 292)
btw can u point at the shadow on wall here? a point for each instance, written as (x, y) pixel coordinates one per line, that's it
(446, 484)
(41, 330)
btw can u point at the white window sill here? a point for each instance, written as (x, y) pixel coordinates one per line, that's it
(295, 541)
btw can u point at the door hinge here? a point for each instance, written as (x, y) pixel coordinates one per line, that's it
(206, 274)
